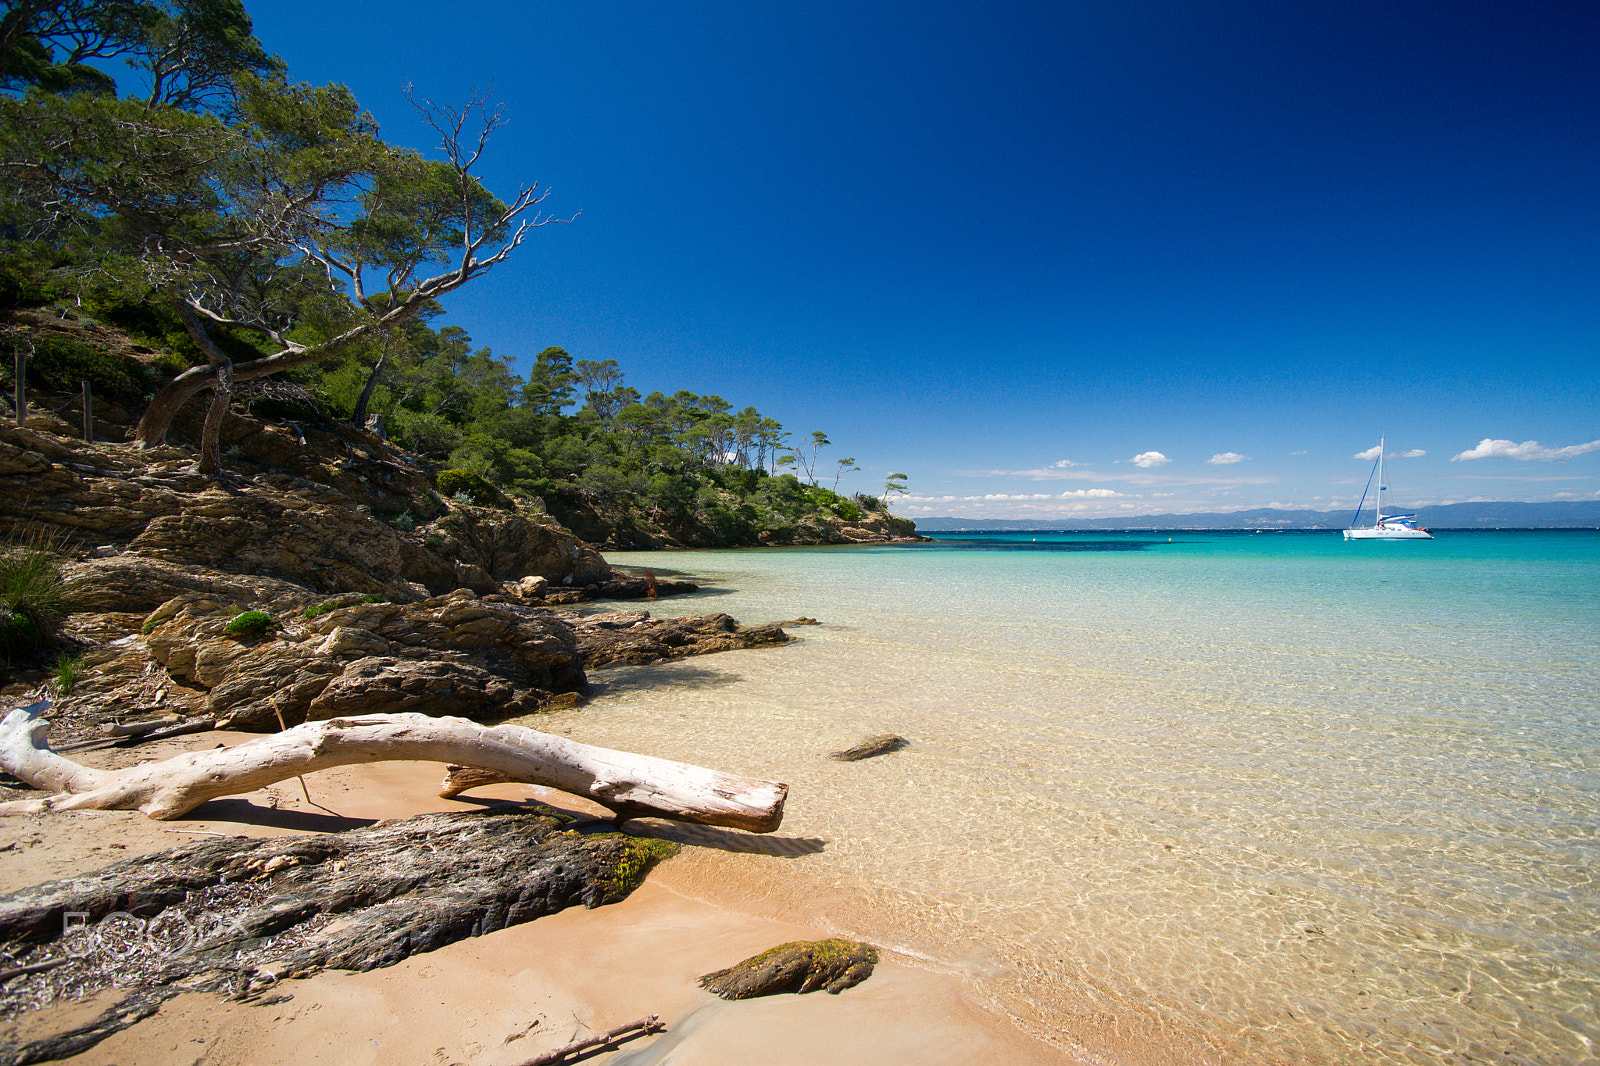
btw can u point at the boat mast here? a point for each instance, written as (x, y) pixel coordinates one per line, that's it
(1379, 521)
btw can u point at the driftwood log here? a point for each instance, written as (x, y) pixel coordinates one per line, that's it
(238, 915)
(627, 783)
(606, 1041)
(800, 966)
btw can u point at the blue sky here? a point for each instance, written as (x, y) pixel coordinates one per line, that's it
(1051, 258)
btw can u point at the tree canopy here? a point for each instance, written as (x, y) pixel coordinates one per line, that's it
(250, 225)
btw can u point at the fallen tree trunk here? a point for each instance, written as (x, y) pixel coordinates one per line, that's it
(627, 783)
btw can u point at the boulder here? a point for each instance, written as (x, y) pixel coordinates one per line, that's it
(801, 966)
(451, 655)
(634, 637)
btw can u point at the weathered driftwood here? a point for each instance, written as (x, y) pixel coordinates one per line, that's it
(605, 1041)
(459, 779)
(800, 966)
(622, 781)
(136, 729)
(170, 728)
(882, 744)
(237, 914)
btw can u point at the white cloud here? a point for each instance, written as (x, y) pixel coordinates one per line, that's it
(1526, 451)
(1224, 458)
(1062, 464)
(1088, 494)
(1146, 460)
(1372, 453)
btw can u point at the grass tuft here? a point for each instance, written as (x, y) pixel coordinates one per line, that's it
(34, 595)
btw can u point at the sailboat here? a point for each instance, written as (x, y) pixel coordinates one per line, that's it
(1384, 527)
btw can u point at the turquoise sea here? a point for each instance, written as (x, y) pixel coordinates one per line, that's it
(1232, 797)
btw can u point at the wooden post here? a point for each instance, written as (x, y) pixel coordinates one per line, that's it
(21, 363)
(88, 413)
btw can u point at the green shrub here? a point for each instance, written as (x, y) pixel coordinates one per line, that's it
(249, 624)
(457, 483)
(320, 609)
(33, 596)
(59, 363)
(867, 503)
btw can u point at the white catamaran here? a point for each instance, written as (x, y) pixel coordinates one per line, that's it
(1384, 527)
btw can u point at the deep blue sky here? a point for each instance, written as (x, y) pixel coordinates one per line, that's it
(976, 242)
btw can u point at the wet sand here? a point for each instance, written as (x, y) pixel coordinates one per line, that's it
(515, 994)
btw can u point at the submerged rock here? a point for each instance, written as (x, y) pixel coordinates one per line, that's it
(882, 744)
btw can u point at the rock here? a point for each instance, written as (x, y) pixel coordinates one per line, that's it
(633, 637)
(133, 584)
(882, 744)
(801, 966)
(450, 655)
(238, 914)
(625, 587)
(533, 586)
(482, 547)
(299, 505)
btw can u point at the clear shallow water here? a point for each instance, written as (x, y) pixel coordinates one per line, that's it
(1252, 797)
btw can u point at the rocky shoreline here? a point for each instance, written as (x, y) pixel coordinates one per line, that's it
(324, 578)
(378, 591)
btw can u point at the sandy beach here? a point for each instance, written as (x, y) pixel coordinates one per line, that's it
(512, 995)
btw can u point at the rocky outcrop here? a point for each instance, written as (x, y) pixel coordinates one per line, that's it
(331, 509)
(238, 915)
(633, 637)
(134, 585)
(452, 655)
(481, 548)
(875, 528)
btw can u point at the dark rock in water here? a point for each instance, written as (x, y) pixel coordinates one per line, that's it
(239, 914)
(882, 744)
(801, 966)
(634, 637)
(624, 587)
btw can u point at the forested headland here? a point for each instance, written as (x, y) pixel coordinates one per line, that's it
(201, 237)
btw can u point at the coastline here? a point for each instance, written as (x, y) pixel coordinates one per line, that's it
(514, 994)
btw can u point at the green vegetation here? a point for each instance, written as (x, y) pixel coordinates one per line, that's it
(34, 596)
(320, 609)
(238, 224)
(638, 855)
(68, 672)
(249, 625)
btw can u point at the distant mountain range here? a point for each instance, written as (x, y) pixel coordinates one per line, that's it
(1570, 515)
